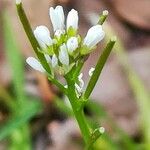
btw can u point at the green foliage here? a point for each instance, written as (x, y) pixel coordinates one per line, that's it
(30, 109)
(22, 107)
(15, 60)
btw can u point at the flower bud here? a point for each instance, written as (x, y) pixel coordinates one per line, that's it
(57, 17)
(72, 44)
(54, 61)
(59, 33)
(94, 35)
(35, 64)
(72, 20)
(42, 35)
(63, 55)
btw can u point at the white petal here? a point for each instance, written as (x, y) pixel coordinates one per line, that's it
(57, 17)
(80, 76)
(54, 61)
(81, 80)
(58, 33)
(78, 88)
(35, 64)
(18, 2)
(53, 18)
(72, 19)
(72, 44)
(91, 71)
(48, 58)
(63, 55)
(94, 35)
(42, 35)
(60, 14)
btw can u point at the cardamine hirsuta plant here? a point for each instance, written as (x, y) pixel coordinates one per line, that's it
(64, 52)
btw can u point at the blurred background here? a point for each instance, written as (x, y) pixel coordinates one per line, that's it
(35, 115)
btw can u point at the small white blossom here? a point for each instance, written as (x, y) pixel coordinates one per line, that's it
(91, 71)
(54, 61)
(35, 64)
(63, 55)
(94, 35)
(42, 35)
(57, 17)
(101, 130)
(72, 19)
(58, 33)
(72, 44)
(18, 2)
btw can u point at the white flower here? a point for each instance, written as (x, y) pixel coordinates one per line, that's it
(57, 17)
(58, 33)
(54, 61)
(42, 35)
(72, 19)
(94, 35)
(63, 55)
(72, 44)
(91, 71)
(18, 2)
(35, 64)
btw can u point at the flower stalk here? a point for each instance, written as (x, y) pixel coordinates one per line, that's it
(64, 53)
(98, 69)
(30, 35)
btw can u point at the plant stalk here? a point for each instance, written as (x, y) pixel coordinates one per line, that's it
(79, 113)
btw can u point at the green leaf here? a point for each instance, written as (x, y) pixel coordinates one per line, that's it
(29, 110)
(15, 60)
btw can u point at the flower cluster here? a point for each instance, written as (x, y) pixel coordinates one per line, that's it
(63, 49)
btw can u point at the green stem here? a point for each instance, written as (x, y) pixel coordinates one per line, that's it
(103, 17)
(98, 69)
(31, 37)
(58, 84)
(78, 69)
(79, 113)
